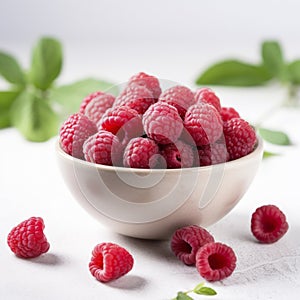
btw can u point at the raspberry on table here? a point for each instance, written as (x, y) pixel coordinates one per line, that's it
(180, 97)
(140, 153)
(98, 106)
(204, 123)
(74, 131)
(240, 137)
(228, 113)
(149, 81)
(135, 96)
(88, 99)
(162, 123)
(110, 261)
(103, 148)
(206, 95)
(186, 241)
(212, 154)
(178, 155)
(123, 122)
(268, 224)
(215, 261)
(27, 240)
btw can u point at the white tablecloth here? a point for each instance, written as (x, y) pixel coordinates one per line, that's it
(31, 185)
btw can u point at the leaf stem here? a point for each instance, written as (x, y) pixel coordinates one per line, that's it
(198, 289)
(266, 115)
(292, 99)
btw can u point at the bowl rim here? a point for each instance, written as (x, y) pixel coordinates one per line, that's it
(258, 151)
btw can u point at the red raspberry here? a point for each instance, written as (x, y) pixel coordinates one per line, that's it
(215, 261)
(212, 154)
(240, 138)
(204, 123)
(268, 224)
(162, 123)
(103, 148)
(88, 99)
(74, 131)
(135, 96)
(180, 97)
(27, 240)
(206, 95)
(98, 106)
(150, 82)
(228, 113)
(140, 153)
(122, 121)
(110, 261)
(178, 155)
(186, 241)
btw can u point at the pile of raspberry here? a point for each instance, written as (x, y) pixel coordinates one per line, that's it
(194, 245)
(145, 127)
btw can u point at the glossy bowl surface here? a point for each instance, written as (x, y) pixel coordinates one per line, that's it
(153, 203)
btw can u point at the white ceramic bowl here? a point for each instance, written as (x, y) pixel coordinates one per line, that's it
(153, 203)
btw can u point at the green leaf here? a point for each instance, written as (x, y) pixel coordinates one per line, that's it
(11, 70)
(34, 117)
(183, 296)
(274, 137)
(268, 154)
(294, 71)
(6, 100)
(4, 119)
(205, 291)
(234, 73)
(69, 97)
(46, 62)
(198, 286)
(273, 59)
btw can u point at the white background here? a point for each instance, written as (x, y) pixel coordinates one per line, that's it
(110, 20)
(114, 39)
(173, 40)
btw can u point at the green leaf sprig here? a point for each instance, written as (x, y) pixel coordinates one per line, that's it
(34, 104)
(272, 67)
(199, 289)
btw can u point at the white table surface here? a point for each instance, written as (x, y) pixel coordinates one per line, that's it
(31, 185)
